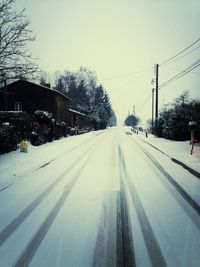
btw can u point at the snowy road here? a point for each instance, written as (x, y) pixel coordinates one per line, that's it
(101, 199)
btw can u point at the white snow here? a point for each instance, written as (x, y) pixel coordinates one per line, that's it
(179, 150)
(87, 168)
(16, 165)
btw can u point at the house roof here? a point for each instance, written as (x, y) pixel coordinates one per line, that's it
(25, 82)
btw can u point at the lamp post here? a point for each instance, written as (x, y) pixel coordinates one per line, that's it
(152, 118)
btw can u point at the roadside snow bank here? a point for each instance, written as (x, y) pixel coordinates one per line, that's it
(180, 150)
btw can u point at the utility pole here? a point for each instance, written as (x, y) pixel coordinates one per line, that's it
(133, 117)
(152, 120)
(156, 108)
(134, 110)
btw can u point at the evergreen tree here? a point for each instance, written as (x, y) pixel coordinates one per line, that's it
(82, 98)
(131, 120)
(112, 120)
(173, 122)
(86, 95)
(60, 86)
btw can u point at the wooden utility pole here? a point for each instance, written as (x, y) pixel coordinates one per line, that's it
(134, 110)
(156, 108)
(152, 120)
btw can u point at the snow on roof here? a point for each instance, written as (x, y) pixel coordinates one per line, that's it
(38, 85)
(77, 112)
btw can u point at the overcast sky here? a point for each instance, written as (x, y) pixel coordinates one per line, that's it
(119, 38)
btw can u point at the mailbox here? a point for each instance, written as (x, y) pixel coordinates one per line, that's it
(193, 125)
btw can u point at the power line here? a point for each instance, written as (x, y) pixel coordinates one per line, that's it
(124, 86)
(125, 75)
(175, 69)
(178, 76)
(166, 61)
(181, 74)
(184, 55)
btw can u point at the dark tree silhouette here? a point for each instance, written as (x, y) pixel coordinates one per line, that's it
(15, 59)
(131, 121)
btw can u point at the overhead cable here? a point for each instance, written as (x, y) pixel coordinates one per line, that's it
(175, 69)
(166, 61)
(184, 55)
(125, 75)
(181, 74)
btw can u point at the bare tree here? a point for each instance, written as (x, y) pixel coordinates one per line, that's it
(15, 58)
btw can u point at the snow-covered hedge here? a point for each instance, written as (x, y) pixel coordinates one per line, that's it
(42, 128)
(8, 138)
(39, 128)
(13, 128)
(46, 129)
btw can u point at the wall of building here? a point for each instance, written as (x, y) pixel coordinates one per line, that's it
(35, 97)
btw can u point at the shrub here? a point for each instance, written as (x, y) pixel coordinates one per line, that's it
(8, 138)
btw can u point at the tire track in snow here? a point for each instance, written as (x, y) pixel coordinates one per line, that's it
(125, 247)
(32, 247)
(178, 189)
(193, 172)
(153, 248)
(22, 176)
(27, 255)
(15, 223)
(105, 252)
(105, 248)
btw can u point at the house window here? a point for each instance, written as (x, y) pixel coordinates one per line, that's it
(74, 117)
(18, 106)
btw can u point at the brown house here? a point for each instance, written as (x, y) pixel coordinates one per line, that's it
(29, 97)
(18, 119)
(79, 120)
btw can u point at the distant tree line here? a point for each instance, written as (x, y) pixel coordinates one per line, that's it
(87, 97)
(16, 62)
(174, 118)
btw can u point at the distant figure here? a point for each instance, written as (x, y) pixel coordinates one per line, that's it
(23, 146)
(146, 134)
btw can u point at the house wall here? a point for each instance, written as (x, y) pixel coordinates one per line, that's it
(35, 97)
(79, 120)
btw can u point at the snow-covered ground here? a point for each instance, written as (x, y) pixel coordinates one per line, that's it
(179, 150)
(104, 198)
(16, 165)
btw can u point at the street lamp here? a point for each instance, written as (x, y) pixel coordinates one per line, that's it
(152, 119)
